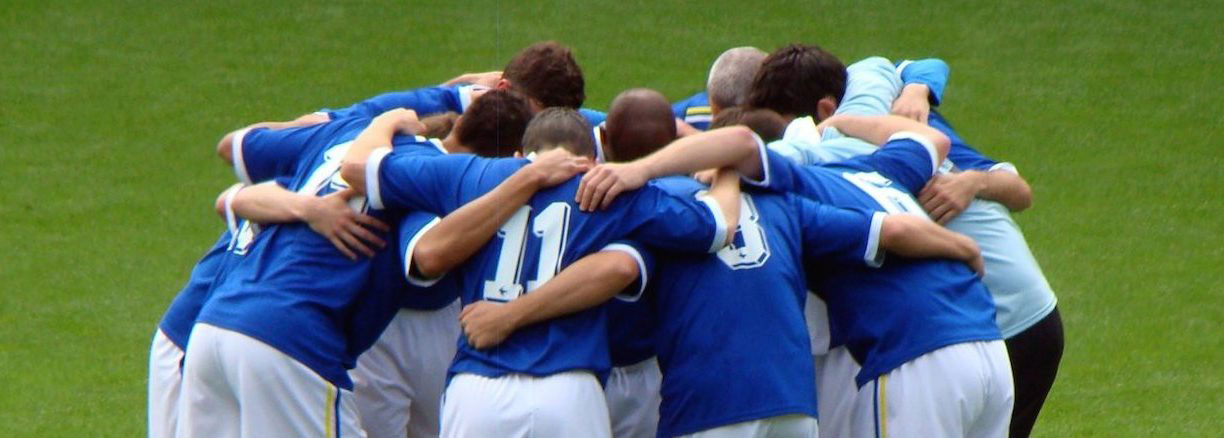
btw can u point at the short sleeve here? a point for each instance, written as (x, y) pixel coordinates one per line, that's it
(261, 154)
(932, 72)
(399, 179)
(907, 159)
(413, 227)
(840, 234)
(646, 265)
(425, 101)
(674, 216)
(871, 87)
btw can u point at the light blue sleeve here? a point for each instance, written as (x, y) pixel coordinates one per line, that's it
(932, 72)
(871, 87)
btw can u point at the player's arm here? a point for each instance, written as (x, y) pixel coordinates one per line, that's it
(734, 147)
(225, 147)
(916, 237)
(376, 135)
(924, 81)
(947, 195)
(586, 283)
(329, 215)
(485, 79)
(878, 129)
(464, 231)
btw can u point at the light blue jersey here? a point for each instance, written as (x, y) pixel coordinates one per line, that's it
(542, 238)
(1015, 280)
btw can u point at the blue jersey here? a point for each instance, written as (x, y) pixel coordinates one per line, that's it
(632, 318)
(539, 240)
(421, 293)
(733, 345)
(874, 313)
(695, 110)
(294, 291)
(425, 101)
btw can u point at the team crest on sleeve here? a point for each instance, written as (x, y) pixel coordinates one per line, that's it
(749, 249)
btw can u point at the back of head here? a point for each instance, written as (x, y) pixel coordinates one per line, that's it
(765, 123)
(547, 73)
(640, 122)
(731, 76)
(793, 79)
(494, 123)
(559, 128)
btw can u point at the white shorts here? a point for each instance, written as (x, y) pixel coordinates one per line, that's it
(165, 382)
(236, 386)
(836, 391)
(816, 315)
(783, 426)
(633, 399)
(569, 404)
(398, 382)
(962, 390)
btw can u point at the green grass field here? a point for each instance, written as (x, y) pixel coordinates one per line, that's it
(109, 111)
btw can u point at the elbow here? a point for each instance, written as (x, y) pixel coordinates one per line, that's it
(1023, 198)
(429, 261)
(353, 174)
(941, 142)
(225, 148)
(219, 205)
(624, 269)
(894, 230)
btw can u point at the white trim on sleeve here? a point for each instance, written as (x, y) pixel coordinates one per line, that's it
(720, 222)
(231, 220)
(438, 144)
(1004, 166)
(764, 157)
(873, 255)
(412, 279)
(465, 96)
(901, 67)
(373, 189)
(599, 150)
(637, 256)
(925, 142)
(236, 156)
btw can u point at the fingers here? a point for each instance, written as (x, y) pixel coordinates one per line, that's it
(354, 243)
(612, 194)
(586, 188)
(601, 190)
(343, 249)
(365, 235)
(466, 310)
(939, 211)
(371, 222)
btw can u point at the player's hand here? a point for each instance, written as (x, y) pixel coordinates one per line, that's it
(974, 260)
(487, 79)
(947, 195)
(605, 182)
(486, 324)
(913, 103)
(403, 120)
(557, 166)
(706, 176)
(349, 231)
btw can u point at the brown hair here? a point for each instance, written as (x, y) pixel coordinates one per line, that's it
(794, 78)
(547, 73)
(766, 123)
(494, 123)
(559, 128)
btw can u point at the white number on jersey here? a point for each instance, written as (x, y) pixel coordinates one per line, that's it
(551, 226)
(882, 190)
(754, 250)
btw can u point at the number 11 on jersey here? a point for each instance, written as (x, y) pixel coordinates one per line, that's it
(551, 226)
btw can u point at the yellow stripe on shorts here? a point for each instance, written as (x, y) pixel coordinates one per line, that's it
(883, 407)
(329, 409)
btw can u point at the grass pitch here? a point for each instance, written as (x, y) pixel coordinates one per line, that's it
(109, 111)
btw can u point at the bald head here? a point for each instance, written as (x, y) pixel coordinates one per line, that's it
(731, 76)
(640, 121)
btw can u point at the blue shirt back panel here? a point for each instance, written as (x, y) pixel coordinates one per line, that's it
(695, 110)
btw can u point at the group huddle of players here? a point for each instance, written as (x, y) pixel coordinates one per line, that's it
(488, 258)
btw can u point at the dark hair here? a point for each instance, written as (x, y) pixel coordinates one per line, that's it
(547, 73)
(559, 128)
(765, 123)
(794, 78)
(494, 123)
(640, 121)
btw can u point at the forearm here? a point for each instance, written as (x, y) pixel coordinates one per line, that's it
(726, 192)
(1004, 187)
(734, 147)
(878, 129)
(464, 231)
(584, 284)
(916, 237)
(377, 135)
(270, 203)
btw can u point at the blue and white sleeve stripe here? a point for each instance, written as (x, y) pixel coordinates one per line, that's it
(373, 188)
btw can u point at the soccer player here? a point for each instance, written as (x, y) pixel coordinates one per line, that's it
(919, 348)
(973, 198)
(565, 357)
(726, 86)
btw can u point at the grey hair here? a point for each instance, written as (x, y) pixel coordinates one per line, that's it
(731, 75)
